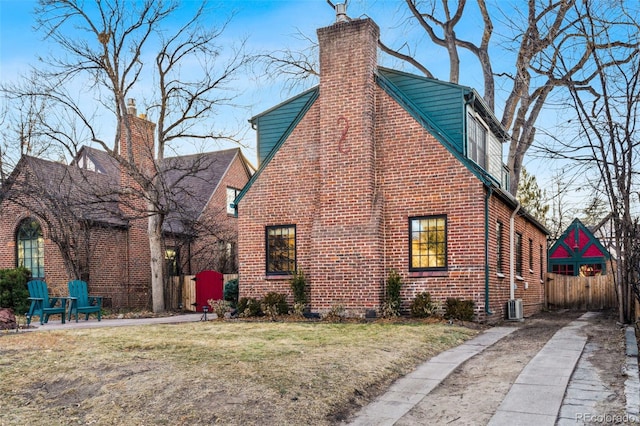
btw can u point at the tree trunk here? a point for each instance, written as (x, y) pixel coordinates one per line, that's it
(157, 263)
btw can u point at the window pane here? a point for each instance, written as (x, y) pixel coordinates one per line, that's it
(30, 246)
(281, 249)
(519, 254)
(428, 246)
(499, 246)
(477, 141)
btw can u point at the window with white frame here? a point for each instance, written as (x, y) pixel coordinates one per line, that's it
(232, 193)
(476, 141)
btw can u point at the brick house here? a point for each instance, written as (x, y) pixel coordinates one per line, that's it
(47, 206)
(376, 170)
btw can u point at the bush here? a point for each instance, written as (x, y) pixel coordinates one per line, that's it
(336, 313)
(391, 305)
(249, 307)
(231, 292)
(422, 306)
(219, 307)
(275, 304)
(299, 287)
(14, 292)
(459, 309)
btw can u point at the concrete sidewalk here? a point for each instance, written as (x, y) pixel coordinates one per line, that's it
(94, 323)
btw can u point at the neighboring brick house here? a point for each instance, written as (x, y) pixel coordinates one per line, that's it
(47, 205)
(377, 170)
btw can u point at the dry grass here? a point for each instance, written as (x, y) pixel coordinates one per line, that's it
(205, 373)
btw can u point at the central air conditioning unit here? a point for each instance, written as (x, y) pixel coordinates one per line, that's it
(514, 309)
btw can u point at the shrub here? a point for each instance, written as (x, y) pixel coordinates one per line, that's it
(299, 287)
(422, 306)
(275, 304)
(14, 292)
(391, 305)
(459, 309)
(336, 313)
(231, 292)
(219, 307)
(249, 307)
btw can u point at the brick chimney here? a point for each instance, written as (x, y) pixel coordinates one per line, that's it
(347, 238)
(133, 204)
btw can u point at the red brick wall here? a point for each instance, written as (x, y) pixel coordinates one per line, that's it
(107, 275)
(285, 193)
(219, 225)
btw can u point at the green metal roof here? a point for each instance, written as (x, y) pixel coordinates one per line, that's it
(444, 103)
(276, 121)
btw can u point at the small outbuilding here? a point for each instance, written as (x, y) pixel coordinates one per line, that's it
(578, 252)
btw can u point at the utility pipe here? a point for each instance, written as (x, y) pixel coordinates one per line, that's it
(486, 251)
(512, 277)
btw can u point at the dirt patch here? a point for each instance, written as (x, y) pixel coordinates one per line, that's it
(475, 390)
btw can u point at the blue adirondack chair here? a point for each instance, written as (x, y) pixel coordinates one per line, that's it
(81, 302)
(43, 305)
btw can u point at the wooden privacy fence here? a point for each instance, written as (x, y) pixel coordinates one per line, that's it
(182, 291)
(563, 291)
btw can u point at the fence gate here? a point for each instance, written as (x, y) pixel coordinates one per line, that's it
(563, 291)
(209, 285)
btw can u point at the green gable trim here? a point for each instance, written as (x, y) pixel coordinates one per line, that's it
(310, 97)
(276, 121)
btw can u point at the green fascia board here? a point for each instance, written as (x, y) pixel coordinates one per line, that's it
(310, 99)
(274, 122)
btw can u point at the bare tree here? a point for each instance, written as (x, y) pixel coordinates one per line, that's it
(105, 58)
(606, 98)
(543, 54)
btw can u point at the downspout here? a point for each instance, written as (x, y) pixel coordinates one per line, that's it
(487, 310)
(512, 278)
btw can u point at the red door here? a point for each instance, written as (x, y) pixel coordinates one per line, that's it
(209, 285)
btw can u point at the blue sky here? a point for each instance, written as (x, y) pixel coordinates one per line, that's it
(268, 25)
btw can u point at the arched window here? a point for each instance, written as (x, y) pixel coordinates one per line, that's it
(30, 245)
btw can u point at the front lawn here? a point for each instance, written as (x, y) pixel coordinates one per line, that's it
(203, 373)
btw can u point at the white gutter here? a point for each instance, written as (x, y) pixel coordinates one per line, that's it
(512, 275)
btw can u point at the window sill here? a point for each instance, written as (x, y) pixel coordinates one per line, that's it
(419, 274)
(278, 277)
(531, 271)
(519, 278)
(500, 275)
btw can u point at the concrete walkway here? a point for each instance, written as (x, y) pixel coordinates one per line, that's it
(406, 392)
(535, 398)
